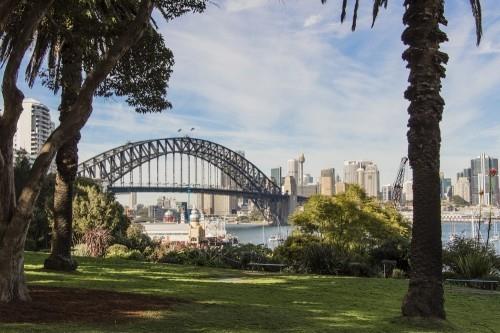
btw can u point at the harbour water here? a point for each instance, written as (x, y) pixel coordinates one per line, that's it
(259, 234)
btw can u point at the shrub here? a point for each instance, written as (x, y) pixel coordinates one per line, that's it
(392, 249)
(97, 241)
(81, 250)
(306, 254)
(355, 268)
(117, 251)
(123, 252)
(466, 259)
(136, 238)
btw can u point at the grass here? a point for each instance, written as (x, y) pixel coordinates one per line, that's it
(221, 300)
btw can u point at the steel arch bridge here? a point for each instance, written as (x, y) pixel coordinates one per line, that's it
(189, 165)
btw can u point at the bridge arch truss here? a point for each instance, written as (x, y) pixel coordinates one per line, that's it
(185, 164)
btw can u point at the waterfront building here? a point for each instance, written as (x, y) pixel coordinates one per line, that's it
(480, 180)
(169, 216)
(196, 231)
(387, 193)
(156, 213)
(327, 182)
(462, 188)
(33, 128)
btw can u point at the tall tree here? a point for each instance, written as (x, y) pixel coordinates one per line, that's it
(15, 217)
(423, 36)
(68, 37)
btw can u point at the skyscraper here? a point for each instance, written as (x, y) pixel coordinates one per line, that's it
(327, 182)
(408, 190)
(480, 180)
(387, 193)
(350, 172)
(33, 128)
(462, 188)
(363, 173)
(445, 186)
(276, 176)
(371, 180)
(293, 169)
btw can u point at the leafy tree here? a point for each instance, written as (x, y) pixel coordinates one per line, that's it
(38, 232)
(94, 209)
(423, 36)
(20, 23)
(351, 221)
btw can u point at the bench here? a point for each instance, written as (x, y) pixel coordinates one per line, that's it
(474, 283)
(253, 265)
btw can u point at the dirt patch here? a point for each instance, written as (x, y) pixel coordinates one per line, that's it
(50, 304)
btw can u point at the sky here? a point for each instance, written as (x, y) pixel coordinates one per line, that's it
(277, 78)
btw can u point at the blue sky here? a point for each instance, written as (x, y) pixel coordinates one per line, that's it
(279, 77)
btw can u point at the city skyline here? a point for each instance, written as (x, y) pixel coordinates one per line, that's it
(338, 111)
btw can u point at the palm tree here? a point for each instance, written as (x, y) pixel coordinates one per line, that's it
(71, 48)
(425, 296)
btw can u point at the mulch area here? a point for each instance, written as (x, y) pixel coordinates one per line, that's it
(51, 304)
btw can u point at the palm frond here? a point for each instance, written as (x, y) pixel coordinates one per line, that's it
(376, 5)
(476, 11)
(344, 7)
(355, 15)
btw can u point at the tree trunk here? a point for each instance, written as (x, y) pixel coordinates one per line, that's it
(13, 230)
(423, 36)
(66, 161)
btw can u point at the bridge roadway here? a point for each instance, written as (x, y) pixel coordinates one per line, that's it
(192, 189)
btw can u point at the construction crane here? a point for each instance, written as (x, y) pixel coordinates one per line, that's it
(397, 187)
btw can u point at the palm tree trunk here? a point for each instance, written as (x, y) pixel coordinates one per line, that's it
(423, 36)
(66, 161)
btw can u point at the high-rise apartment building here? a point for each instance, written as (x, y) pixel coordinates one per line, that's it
(225, 204)
(327, 182)
(363, 173)
(480, 180)
(33, 128)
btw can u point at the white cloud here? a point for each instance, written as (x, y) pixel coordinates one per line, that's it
(250, 77)
(242, 5)
(312, 20)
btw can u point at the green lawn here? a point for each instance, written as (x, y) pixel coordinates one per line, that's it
(221, 300)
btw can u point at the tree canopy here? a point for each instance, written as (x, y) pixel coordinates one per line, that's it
(351, 221)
